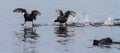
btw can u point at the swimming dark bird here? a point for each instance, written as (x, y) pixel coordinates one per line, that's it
(105, 41)
(63, 17)
(27, 16)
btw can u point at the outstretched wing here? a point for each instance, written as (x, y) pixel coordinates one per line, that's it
(70, 13)
(67, 13)
(19, 10)
(34, 13)
(59, 12)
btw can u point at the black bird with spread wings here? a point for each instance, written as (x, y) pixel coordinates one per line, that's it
(63, 17)
(27, 16)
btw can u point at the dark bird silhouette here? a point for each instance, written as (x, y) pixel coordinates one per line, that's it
(63, 17)
(27, 16)
(105, 41)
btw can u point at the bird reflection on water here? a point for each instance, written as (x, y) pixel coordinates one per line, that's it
(62, 31)
(27, 40)
(30, 33)
(65, 36)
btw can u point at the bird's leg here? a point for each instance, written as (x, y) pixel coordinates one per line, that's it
(65, 24)
(32, 23)
(61, 24)
(24, 23)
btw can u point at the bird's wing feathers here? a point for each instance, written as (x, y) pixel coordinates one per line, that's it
(70, 13)
(35, 12)
(19, 10)
(59, 12)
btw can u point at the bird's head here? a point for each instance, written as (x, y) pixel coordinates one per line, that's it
(95, 42)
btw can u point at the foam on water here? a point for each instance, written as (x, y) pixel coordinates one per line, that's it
(109, 21)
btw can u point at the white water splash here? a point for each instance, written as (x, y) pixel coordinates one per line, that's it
(84, 15)
(72, 19)
(109, 21)
(85, 19)
(80, 18)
